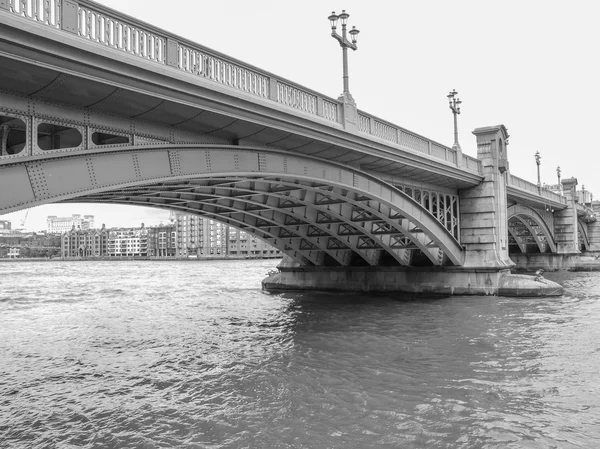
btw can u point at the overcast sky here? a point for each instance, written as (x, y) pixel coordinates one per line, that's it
(532, 65)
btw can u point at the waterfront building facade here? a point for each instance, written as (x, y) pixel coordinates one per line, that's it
(59, 225)
(244, 245)
(85, 242)
(207, 238)
(185, 236)
(190, 233)
(162, 241)
(158, 241)
(199, 236)
(15, 243)
(214, 243)
(127, 242)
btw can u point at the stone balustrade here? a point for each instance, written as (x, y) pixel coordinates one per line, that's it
(522, 184)
(108, 27)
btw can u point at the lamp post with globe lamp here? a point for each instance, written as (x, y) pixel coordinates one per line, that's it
(344, 43)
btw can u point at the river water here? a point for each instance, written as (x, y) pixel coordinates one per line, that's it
(194, 355)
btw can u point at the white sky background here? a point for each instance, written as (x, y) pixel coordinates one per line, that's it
(532, 65)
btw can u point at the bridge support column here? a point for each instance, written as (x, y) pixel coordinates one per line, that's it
(483, 209)
(594, 228)
(565, 221)
(436, 281)
(484, 235)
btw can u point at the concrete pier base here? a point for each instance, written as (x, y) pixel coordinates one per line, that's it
(557, 262)
(427, 281)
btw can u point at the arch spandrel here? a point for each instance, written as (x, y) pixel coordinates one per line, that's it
(84, 174)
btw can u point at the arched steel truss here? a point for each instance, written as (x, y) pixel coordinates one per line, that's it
(584, 241)
(323, 224)
(315, 211)
(527, 227)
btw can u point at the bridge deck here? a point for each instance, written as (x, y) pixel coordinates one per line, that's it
(98, 60)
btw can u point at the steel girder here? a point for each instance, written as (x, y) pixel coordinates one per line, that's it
(583, 235)
(306, 198)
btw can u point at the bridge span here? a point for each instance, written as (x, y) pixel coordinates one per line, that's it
(97, 106)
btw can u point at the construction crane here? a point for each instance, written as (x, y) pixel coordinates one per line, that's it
(24, 219)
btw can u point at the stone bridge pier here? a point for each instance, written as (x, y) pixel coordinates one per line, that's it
(486, 265)
(574, 234)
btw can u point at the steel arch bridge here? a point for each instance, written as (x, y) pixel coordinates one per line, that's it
(320, 213)
(534, 231)
(528, 228)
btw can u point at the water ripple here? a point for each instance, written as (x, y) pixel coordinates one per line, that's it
(194, 355)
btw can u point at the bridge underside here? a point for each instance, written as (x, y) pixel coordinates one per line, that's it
(317, 212)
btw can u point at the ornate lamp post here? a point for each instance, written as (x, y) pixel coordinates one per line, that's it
(538, 160)
(344, 43)
(455, 107)
(558, 175)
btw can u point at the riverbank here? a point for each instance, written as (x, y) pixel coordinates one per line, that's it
(114, 259)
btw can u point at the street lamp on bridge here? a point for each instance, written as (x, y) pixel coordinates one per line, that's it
(538, 160)
(558, 175)
(344, 42)
(455, 107)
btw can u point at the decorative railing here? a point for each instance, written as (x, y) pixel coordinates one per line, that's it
(330, 110)
(407, 139)
(522, 184)
(203, 64)
(105, 26)
(296, 98)
(117, 34)
(47, 12)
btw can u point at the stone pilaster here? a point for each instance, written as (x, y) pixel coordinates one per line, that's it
(483, 209)
(69, 20)
(565, 221)
(349, 112)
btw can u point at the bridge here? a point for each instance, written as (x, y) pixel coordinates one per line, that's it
(97, 106)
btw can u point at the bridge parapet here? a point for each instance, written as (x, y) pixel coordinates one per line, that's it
(97, 23)
(49, 14)
(522, 184)
(382, 129)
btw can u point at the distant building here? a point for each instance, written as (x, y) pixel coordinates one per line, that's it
(84, 243)
(214, 242)
(187, 235)
(5, 226)
(128, 242)
(199, 236)
(206, 238)
(156, 241)
(58, 225)
(190, 233)
(244, 245)
(162, 241)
